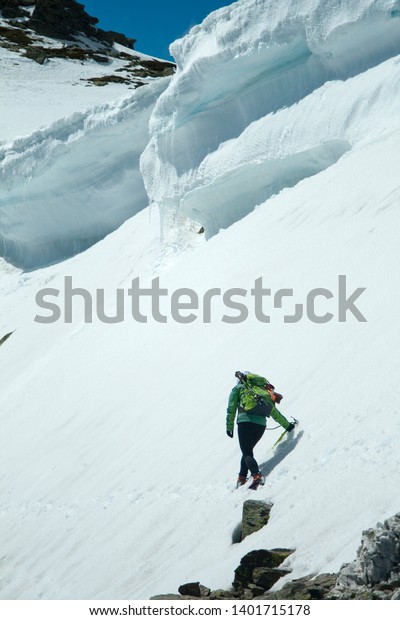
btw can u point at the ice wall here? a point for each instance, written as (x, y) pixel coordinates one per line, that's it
(65, 187)
(241, 75)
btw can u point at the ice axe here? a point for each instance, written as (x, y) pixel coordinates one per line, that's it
(295, 422)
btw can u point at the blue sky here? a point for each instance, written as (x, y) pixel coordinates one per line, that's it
(154, 24)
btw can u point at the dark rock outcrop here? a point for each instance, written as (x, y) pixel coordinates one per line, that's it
(62, 19)
(255, 516)
(195, 590)
(11, 9)
(267, 577)
(37, 54)
(14, 37)
(304, 589)
(374, 575)
(66, 21)
(260, 568)
(258, 571)
(109, 36)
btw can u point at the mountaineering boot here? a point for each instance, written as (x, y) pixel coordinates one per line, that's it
(258, 479)
(241, 481)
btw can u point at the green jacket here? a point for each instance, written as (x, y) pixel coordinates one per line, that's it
(241, 399)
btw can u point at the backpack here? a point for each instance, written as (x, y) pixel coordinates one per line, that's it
(255, 400)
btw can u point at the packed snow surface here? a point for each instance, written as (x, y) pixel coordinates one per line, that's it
(117, 475)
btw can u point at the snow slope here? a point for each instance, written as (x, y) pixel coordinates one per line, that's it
(117, 476)
(48, 92)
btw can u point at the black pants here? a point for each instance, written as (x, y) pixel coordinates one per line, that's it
(249, 435)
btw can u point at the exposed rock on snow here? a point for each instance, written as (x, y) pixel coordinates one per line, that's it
(306, 588)
(62, 19)
(12, 9)
(261, 568)
(255, 516)
(195, 590)
(258, 572)
(59, 19)
(62, 29)
(375, 574)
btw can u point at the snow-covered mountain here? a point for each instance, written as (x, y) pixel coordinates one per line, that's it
(279, 133)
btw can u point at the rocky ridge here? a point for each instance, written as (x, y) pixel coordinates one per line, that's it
(43, 30)
(374, 574)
